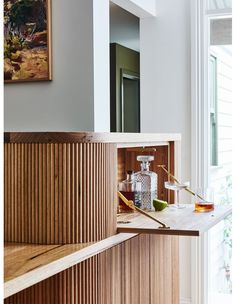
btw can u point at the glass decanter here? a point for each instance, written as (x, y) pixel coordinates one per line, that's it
(148, 181)
(131, 189)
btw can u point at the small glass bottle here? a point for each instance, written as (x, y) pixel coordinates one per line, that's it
(148, 181)
(131, 190)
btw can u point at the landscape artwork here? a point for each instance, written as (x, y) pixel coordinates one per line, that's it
(27, 49)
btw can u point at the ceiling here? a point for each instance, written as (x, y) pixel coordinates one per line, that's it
(124, 27)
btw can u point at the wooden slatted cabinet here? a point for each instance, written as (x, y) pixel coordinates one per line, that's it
(63, 243)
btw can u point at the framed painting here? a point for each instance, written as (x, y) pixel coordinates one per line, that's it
(27, 40)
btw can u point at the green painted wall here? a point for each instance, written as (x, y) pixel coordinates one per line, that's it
(120, 58)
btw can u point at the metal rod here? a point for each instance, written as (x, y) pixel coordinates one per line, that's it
(151, 217)
(178, 182)
(130, 204)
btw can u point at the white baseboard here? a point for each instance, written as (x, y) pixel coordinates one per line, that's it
(185, 301)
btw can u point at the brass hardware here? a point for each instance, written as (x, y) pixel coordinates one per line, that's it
(141, 150)
(178, 182)
(130, 204)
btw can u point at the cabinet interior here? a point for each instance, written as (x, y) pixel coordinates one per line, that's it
(127, 160)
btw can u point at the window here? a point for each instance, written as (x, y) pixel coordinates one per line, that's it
(212, 143)
(220, 177)
(213, 110)
(219, 4)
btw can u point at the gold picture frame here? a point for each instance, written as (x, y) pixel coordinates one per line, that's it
(27, 41)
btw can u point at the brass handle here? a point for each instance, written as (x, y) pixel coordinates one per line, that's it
(131, 205)
(178, 182)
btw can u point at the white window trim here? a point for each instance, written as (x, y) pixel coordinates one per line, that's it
(199, 141)
(220, 12)
(199, 82)
(200, 154)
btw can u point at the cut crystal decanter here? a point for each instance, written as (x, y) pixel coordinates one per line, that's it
(148, 181)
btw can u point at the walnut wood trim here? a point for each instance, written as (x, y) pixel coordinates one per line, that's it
(88, 137)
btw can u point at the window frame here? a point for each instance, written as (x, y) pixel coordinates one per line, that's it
(213, 100)
(200, 133)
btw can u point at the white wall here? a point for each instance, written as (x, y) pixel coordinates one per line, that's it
(140, 8)
(148, 5)
(101, 62)
(80, 83)
(124, 27)
(165, 89)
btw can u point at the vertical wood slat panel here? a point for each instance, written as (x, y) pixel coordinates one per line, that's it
(143, 270)
(11, 179)
(175, 270)
(72, 190)
(55, 179)
(7, 183)
(17, 193)
(37, 193)
(63, 288)
(52, 192)
(29, 189)
(60, 193)
(48, 201)
(64, 197)
(40, 200)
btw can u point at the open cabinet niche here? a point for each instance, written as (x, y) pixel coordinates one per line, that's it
(163, 155)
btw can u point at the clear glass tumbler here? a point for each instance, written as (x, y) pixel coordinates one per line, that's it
(204, 200)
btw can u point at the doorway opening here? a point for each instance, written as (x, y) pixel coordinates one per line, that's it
(124, 71)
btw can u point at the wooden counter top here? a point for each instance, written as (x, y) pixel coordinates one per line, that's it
(181, 221)
(88, 137)
(28, 264)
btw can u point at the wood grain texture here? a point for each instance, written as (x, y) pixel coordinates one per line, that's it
(127, 160)
(142, 270)
(91, 137)
(28, 264)
(163, 155)
(77, 284)
(181, 221)
(61, 189)
(60, 193)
